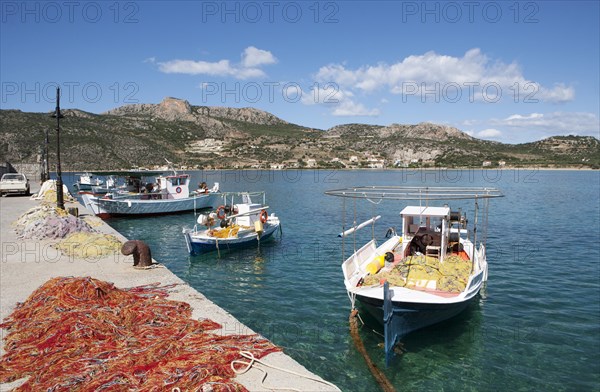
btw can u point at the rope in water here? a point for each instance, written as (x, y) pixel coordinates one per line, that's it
(87, 335)
(379, 376)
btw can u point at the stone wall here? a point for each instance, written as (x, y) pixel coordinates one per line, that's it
(31, 170)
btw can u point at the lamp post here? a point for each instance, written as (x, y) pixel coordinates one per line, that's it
(45, 159)
(60, 203)
(47, 156)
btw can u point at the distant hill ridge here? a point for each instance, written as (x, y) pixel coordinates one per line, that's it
(178, 109)
(225, 137)
(424, 130)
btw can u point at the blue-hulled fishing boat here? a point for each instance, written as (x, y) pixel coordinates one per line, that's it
(233, 225)
(429, 272)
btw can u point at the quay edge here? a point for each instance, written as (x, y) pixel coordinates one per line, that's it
(27, 264)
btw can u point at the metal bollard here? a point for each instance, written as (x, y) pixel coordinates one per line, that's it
(142, 257)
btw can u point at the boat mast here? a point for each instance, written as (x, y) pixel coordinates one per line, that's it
(475, 229)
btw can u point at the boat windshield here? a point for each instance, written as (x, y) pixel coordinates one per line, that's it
(177, 181)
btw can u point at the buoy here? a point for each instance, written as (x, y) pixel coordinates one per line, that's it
(258, 227)
(374, 266)
(264, 216)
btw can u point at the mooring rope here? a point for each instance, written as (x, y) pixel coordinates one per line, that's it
(382, 380)
(252, 359)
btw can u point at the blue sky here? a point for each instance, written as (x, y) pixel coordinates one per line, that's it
(506, 71)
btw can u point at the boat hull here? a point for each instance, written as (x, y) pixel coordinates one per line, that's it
(413, 316)
(199, 245)
(106, 208)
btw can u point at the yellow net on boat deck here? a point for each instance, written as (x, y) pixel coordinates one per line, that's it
(226, 232)
(85, 245)
(426, 272)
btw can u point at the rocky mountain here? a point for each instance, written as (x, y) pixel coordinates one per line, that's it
(223, 137)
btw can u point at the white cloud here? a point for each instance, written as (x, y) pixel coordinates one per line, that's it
(489, 133)
(191, 67)
(351, 108)
(580, 123)
(251, 57)
(341, 101)
(329, 93)
(526, 117)
(558, 94)
(431, 70)
(469, 123)
(150, 60)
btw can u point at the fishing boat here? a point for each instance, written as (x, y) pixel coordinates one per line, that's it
(427, 273)
(168, 195)
(232, 225)
(87, 181)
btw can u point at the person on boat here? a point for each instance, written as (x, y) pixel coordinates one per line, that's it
(202, 188)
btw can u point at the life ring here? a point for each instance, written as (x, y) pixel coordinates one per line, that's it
(221, 212)
(178, 189)
(264, 216)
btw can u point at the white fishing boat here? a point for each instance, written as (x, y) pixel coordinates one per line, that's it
(429, 272)
(232, 225)
(168, 195)
(87, 181)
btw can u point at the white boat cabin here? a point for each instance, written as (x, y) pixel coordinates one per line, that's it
(432, 231)
(176, 186)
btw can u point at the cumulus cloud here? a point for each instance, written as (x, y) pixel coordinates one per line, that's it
(431, 70)
(351, 108)
(328, 93)
(251, 59)
(342, 102)
(489, 133)
(580, 123)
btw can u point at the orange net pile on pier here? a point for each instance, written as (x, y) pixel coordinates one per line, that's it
(87, 335)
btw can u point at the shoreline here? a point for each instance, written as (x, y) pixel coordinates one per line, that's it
(27, 264)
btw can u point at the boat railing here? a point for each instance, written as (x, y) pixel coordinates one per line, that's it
(353, 266)
(234, 197)
(474, 283)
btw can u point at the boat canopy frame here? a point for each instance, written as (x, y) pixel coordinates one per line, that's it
(415, 193)
(375, 194)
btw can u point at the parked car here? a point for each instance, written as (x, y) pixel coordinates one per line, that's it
(14, 183)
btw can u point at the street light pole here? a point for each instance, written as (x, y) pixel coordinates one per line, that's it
(60, 202)
(47, 157)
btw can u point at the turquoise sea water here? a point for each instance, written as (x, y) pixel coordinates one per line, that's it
(536, 325)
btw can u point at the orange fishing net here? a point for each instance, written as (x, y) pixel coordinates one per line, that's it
(87, 335)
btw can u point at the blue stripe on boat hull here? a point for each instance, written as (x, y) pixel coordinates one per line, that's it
(199, 248)
(413, 316)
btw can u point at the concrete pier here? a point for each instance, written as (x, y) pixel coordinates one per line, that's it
(27, 264)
